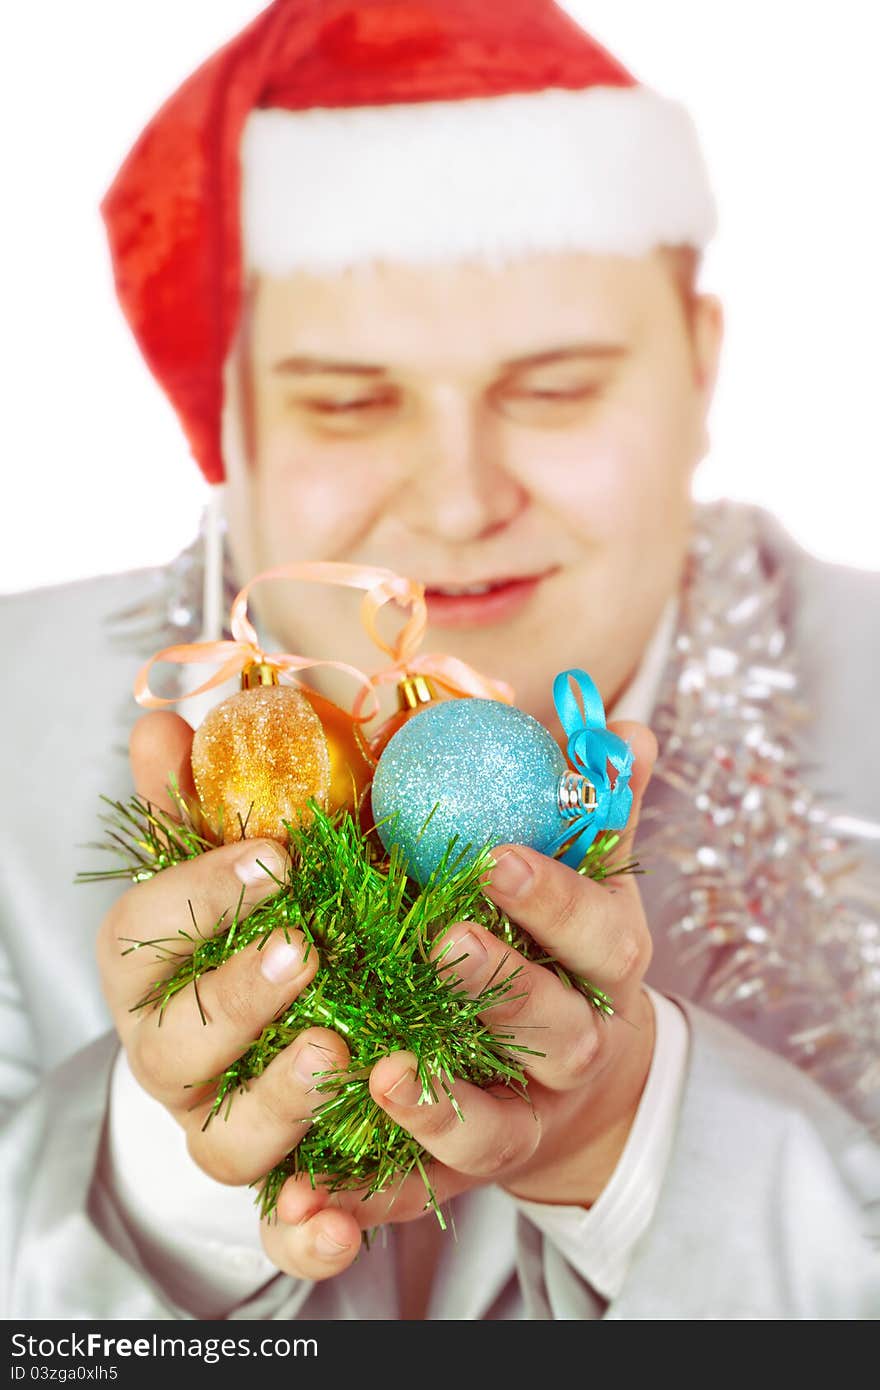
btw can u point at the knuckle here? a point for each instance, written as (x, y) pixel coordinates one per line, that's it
(492, 1162)
(220, 1160)
(274, 1098)
(148, 1063)
(647, 942)
(625, 960)
(568, 910)
(579, 1056)
(234, 996)
(509, 1153)
(438, 1119)
(517, 999)
(279, 1091)
(112, 932)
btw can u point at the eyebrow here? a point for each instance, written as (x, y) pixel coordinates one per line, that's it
(310, 366)
(562, 354)
(331, 366)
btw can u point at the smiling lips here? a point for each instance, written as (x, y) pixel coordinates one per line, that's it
(478, 605)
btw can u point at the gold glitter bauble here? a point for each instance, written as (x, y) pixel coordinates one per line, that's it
(350, 769)
(257, 758)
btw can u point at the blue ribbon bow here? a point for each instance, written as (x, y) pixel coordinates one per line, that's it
(591, 747)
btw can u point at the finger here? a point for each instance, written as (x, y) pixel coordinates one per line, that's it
(549, 1028)
(643, 742)
(318, 1248)
(154, 926)
(483, 1135)
(160, 750)
(243, 1142)
(598, 930)
(212, 1023)
(592, 929)
(404, 1200)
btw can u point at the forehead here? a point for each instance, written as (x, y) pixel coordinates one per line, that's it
(469, 314)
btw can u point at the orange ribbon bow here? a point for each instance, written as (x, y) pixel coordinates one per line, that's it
(380, 586)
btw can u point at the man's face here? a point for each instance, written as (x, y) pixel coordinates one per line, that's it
(520, 440)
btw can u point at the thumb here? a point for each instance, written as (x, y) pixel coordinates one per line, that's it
(645, 749)
(159, 749)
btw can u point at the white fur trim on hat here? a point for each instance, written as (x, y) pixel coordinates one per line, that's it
(607, 169)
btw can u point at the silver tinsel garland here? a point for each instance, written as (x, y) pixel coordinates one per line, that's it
(774, 913)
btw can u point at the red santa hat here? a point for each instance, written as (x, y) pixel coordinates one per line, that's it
(332, 133)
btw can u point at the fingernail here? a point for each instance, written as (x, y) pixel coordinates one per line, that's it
(511, 875)
(328, 1247)
(308, 1063)
(466, 956)
(258, 867)
(407, 1091)
(281, 961)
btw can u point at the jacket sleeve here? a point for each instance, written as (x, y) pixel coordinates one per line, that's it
(598, 1243)
(65, 1251)
(771, 1204)
(201, 1236)
(18, 1064)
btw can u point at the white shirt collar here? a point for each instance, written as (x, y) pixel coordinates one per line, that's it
(639, 695)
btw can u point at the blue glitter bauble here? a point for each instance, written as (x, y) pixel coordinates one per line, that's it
(488, 772)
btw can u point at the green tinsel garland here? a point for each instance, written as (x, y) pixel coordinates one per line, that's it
(374, 928)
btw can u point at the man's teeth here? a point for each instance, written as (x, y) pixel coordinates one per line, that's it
(458, 590)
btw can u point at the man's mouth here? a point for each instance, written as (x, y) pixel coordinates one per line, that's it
(481, 603)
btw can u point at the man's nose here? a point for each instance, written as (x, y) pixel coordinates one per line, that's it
(458, 487)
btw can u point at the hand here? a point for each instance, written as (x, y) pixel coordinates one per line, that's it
(584, 1091)
(238, 999)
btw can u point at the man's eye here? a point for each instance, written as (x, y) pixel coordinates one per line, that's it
(541, 393)
(524, 398)
(547, 407)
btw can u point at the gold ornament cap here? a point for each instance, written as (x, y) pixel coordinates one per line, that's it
(258, 673)
(413, 691)
(413, 694)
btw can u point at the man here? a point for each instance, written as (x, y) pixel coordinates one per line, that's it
(446, 320)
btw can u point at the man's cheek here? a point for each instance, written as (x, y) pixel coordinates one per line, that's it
(590, 484)
(635, 463)
(308, 511)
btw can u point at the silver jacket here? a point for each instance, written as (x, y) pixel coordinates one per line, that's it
(772, 1184)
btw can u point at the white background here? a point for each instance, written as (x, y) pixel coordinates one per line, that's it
(785, 95)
